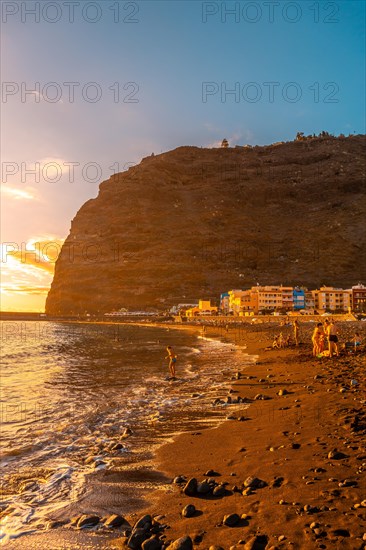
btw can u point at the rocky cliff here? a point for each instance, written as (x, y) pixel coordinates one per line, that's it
(193, 222)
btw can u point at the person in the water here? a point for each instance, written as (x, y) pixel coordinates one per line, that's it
(172, 360)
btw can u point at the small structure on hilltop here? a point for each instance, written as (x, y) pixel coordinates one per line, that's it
(225, 143)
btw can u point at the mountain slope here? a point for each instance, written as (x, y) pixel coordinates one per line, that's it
(194, 222)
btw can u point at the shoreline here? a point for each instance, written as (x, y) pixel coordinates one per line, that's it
(256, 447)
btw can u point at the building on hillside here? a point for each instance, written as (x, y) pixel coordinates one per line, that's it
(309, 301)
(298, 297)
(331, 299)
(262, 298)
(359, 298)
(224, 302)
(273, 298)
(235, 300)
(204, 308)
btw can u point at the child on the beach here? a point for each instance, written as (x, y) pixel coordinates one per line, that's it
(172, 360)
(353, 344)
(317, 337)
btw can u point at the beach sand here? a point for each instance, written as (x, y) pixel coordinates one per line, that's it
(285, 441)
(307, 445)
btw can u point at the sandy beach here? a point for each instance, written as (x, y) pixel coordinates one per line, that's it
(285, 470)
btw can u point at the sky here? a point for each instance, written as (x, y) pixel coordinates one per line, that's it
(90, 88)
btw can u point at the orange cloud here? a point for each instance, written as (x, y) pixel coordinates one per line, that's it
(41, 254)
(25, 289)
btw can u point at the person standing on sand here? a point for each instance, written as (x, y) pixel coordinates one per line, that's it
(332, 334)
(316, 338)
(295, 325)
(172, 360)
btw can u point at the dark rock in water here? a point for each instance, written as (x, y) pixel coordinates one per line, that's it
(143, 523)
(219, 491)
(115, 521)
(254, 483)
(88, 521)
(231, 520)
(184, 543)
(117, 447)
(203, 488)
(137, 537)
(98, 463)
(341, 533)
(336, 455)
(54, 524)
(190, 489)
(152, 544)
(259, 542)
(211, 473)
(189, 511)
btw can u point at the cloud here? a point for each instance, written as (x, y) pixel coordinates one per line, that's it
(19, 194)
(25, 289)
(39, 254)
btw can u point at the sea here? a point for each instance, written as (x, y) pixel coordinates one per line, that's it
(72, 393)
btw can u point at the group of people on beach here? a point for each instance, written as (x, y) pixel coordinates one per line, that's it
(328, 332)
(282, 341)
(322, 332)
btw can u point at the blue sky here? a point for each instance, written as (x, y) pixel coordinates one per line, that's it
(167, 56)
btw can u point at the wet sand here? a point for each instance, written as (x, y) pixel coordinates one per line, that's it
(307, 445)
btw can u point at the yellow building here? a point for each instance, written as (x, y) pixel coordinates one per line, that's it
(328, 298)
(260, 298)
(204, 308)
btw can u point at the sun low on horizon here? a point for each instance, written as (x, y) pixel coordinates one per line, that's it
(27, 270)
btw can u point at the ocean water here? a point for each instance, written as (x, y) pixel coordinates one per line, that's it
(70, 391)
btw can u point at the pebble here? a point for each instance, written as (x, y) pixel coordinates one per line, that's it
(190, 488)
(341, 533)
(231, 520)
(336, 455)
(179, 479)
(256, 542)
(203, 488)
(219, 491)
(151, 544)
(144, 522)
(281, 538)
(117, 447)
(183, 543)
(115, 521)
(137, 538)
(282, 392)
(87, 521)
(254, 482)
(189, 511)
